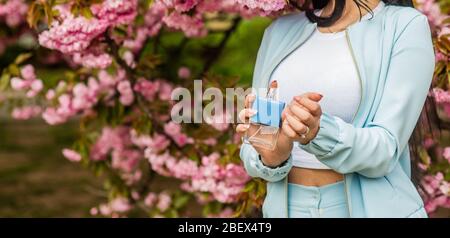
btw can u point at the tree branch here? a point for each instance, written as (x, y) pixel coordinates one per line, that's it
(217, 51)
(114, 51)
(141, 51)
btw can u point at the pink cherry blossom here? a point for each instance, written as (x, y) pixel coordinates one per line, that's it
(126, 160)
(432, 10)
(153, 17)
(192, 26)
(441, 96)
(174, 131)
(25, 113)
(436, 192)
(156, 143)
(159, 143)
(85, 96)
(164, 201)
(210, 141)
(129, 59)
(157, 162)
(130, 178)
(181, 5)
(184, 169)
(72, 34)
(182, 140)
(165, 90)
(172, 128)
(184, 73)
(110, 139)
(28, 82)
(428, 143)
(446, 154)
(18, 83)
(147, 88)
(93, 211)
(52, 117)
(13, 12)
(120, 204)
(92, 60)
(126, 92)
(116, 12)
(50, 95)
(150, 199)
(440, 57)
(71, 155)
(28, 72)
(60, 114)
(265, 5)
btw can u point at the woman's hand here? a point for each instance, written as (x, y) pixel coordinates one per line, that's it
(301, 118)
(244, 116)
(271, 158)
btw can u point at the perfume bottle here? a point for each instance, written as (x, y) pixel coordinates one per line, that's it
(267, 119)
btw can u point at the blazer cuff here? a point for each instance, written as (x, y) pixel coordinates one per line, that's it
(270, 173)
(326, 139)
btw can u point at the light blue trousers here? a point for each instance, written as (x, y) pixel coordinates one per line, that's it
(327, 201)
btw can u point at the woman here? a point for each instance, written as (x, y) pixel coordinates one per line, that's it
(355, 75)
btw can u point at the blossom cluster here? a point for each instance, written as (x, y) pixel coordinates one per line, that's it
(435, 188)
(124, 147)
(432, 10)
(437, 192)
(79, 36)
(13, 12)
(81, 97)
(28, 82)
(224, 183)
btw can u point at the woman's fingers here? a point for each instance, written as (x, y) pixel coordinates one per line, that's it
(288, 131)
(311, 95)
(249, 99)
(245, 114)
(310, 102)
(303, 115)
(296, 125)
(242, 128)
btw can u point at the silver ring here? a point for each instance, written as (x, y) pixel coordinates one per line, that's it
(303, 136)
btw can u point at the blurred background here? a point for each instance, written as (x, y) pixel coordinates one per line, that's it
(35, 178)
(53, 161)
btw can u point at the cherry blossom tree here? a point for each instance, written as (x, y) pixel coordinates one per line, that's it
(116, 72)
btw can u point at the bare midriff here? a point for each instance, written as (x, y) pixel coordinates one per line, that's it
(314, 177)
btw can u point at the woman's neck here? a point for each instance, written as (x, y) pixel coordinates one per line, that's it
(350, 14)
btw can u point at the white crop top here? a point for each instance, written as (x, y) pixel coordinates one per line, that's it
(323, 64)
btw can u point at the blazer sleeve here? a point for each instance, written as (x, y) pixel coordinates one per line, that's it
(249, 156)
(255, 167)
(373, 151)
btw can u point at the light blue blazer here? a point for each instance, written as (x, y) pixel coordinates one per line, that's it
(394, 56)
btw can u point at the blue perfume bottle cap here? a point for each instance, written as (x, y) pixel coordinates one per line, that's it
(268, 112)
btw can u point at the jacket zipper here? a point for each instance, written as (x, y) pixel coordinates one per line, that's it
(357, 71)
(356, 113)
